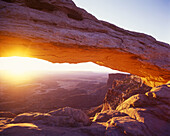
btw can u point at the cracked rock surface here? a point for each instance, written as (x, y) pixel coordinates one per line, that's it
(59, 31)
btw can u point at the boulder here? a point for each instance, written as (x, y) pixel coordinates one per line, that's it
(151, 109)
(77, 114)
(66, 117)
(104, 116)
(129, 126)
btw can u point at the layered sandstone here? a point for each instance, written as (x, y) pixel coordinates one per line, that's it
(134, 108)
(141, 114)
(151, 109)
(122, 86)
(59, 31)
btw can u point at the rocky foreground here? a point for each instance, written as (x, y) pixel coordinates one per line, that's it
(139, 113)
(59, 31)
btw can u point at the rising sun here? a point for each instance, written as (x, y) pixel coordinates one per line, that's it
(21, 69)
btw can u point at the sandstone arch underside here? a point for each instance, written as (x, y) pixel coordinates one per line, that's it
(58, 31)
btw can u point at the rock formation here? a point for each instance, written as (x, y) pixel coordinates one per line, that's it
(7, 114)
(141, 112)
(65, 117)
(50, 123)
(151, 109)
(59, 31)
(137, 110)
(122, 86)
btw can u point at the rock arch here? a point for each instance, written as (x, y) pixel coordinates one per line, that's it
(61, 32)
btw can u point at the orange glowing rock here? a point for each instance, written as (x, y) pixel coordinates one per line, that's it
(61, 32)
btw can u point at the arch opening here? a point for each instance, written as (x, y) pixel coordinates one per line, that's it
(34, 82)
(113, 58)
(60, 32)
(24, 69)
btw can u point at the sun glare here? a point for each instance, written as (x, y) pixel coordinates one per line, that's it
(23, 69)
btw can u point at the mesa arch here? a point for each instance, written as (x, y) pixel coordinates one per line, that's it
(59, 31)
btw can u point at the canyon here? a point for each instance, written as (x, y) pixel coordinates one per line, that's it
(59, 31)
(129, 108)
(53, 90)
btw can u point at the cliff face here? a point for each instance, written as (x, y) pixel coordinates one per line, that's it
(123, 87)
(59, 31)
(144, 112)
(135, 108)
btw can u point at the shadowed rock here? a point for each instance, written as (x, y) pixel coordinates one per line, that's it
(123, 87)
(59, 31)
(63, 122)
(145, 111)
(129, 126)
(141, 114)
(151, 109)
(67, 117)
(76, 114)
(104, 116)
(7, 114)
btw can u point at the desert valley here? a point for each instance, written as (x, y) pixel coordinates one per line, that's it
(53, 90)
(83, 103)
(50, 102)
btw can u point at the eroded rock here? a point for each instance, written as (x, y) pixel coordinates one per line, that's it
(76, 114)
(104, 116)
(59, 31)
(150, 109)
(66, 117)
(63, 122)
(129, 126)
(7, 114)
(123, 87)
(141, 114)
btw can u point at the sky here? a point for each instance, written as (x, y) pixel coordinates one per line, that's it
(151, 17)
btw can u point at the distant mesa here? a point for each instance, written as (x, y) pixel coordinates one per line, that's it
(130, 107)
